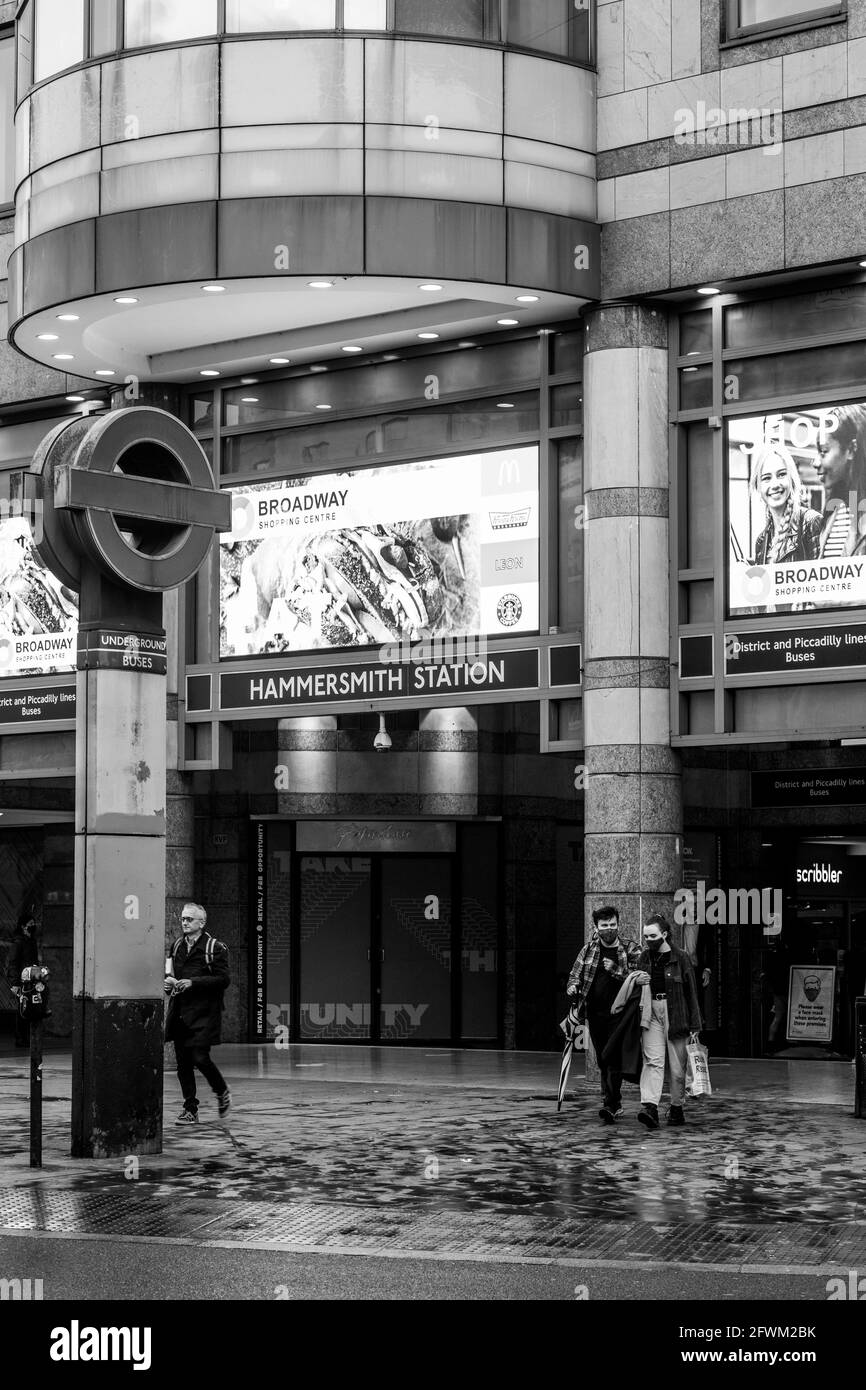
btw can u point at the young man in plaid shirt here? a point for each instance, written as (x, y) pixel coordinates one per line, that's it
(596, 978)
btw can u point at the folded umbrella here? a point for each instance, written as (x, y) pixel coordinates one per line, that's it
(570, 1026)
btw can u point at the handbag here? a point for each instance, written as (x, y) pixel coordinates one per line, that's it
(698, 1069)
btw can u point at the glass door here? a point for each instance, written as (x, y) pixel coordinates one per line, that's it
(414, 953)
(336, 899)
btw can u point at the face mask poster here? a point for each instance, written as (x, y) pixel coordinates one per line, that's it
(811, 997)
(441, 549)
(797, 511)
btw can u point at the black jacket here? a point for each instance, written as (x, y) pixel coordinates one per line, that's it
(25, 952)
(623, 1052)
(195, 1016)
(684, 1011)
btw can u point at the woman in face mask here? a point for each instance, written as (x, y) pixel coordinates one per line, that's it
(675, 1014)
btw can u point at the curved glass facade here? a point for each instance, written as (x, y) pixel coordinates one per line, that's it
(54, 35)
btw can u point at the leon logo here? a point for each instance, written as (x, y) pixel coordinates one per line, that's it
(852, 1288)
(509, 610)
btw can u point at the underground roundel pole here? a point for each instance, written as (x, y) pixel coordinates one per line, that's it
(129, 511)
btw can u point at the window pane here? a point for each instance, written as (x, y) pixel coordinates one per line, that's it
(798, 316)
(164, 21)
(103, 26)
(456, 19)
(696, 332)
(778, 12)
(25, 50)
(549, 26)
(566, 405)
(568, 352)
(696, 387)
(699, 600)
(59, 35)
(7, 115)
(697, 499)
(266, 16)
(316, 448)
(479, 912)
(798, 372)
(365, 14)
(571, 518)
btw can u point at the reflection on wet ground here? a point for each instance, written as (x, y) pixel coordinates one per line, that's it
(484, 1146)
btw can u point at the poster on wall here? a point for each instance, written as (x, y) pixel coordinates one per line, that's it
(440, 549)
(797, 511)
(38, 614)
(811, 996)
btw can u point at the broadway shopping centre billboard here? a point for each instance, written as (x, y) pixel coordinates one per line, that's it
(797, 511)
(435, 549)
(38, 614)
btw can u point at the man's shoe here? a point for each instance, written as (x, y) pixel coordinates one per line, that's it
(676, 1115)
(224, 1103)
(649, 1115)
(608, 1115)
(187, 1117)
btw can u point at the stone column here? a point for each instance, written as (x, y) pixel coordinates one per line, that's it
(633, 789)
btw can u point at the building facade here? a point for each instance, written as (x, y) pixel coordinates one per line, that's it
(526, 338)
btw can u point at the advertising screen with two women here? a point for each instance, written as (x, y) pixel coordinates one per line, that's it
(797, 510)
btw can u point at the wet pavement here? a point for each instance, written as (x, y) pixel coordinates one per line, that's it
(463, 1154)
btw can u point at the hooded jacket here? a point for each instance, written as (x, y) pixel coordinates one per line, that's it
(195, 1015)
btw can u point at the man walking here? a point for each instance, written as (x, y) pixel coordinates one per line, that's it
(595, 979)
(675, 1014)
(197, 977)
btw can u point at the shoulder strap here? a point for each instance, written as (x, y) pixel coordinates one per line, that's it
(176, 947)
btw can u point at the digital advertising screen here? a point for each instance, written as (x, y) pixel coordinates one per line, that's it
(797, 511)
(424, 550)
(38, 614)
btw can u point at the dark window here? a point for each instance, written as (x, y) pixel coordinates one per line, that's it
(561, 27)
(7, 142)
(696, 387)
(796, 373)
(839, 309)
(697, 498)
(458, 19)
(756, 16)
(696, 333)
(572, 520)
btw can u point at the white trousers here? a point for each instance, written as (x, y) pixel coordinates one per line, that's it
(656, 1042)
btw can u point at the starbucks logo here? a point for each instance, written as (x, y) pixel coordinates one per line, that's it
(509, 610)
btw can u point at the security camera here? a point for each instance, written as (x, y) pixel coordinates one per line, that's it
(382, 741)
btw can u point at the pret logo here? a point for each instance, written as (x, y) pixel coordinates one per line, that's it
(509, 610)
(819, 873)
(77, 1343)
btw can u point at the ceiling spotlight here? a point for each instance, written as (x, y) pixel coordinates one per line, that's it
(318, 368)
(690, 369)
(214, 289)
(504, 405)
(322, 406)
(708, 289)
(353, 348)
(79, 400)
(209, 371)
(280, 361)
(63, 357)
(527, 299)
(430, 289)
(382, 741)
(428, 337)
(466, 344)
(863, 264)
(320, 284)
(126, 299)
(249, 400)
(508, 323)
(68, 318)
(388, 357)
(48, 337)
(106, 371)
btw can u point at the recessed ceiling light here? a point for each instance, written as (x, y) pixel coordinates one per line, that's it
(428, 337)
(527, 299)
(106, 371)
(280, 361)
(68, 318)
(214, 289)
(430, 289)
(208, 371)
(249, 400)
(324, 407)
(126, 299)
(79, 400)
(390, 357)
(249, 381)
(48, 337)
(863, 263)
(318, 368)
(508, 323)
(708, 289)
(466, 344)
(352, 348)
(320, 284)
(63, 357)
(504, 405)
(690, 369)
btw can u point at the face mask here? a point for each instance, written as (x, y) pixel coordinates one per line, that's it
(655, 946)
(607, 938)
